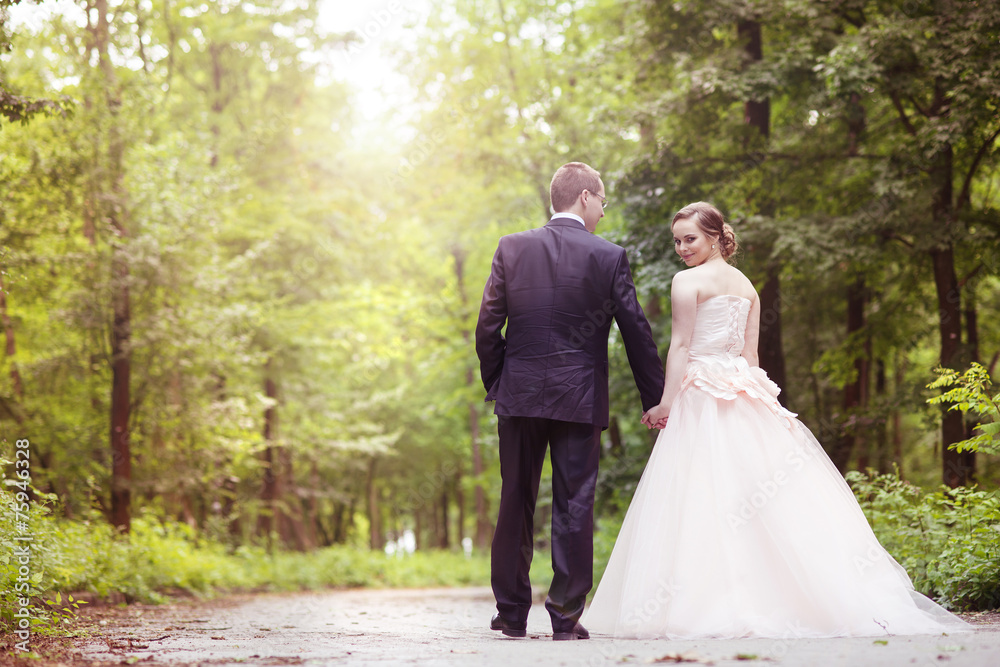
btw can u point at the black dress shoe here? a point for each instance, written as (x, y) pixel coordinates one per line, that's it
(578, 632)
(497, 623)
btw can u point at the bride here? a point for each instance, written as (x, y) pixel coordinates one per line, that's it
(741, 526)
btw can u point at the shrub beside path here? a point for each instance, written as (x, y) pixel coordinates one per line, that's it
(450, 627)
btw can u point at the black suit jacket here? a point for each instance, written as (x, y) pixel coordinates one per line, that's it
(558, 288)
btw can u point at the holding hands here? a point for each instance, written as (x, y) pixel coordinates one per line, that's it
(656, 417)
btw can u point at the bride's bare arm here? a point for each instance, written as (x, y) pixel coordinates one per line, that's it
(684, 309)
(752, 334)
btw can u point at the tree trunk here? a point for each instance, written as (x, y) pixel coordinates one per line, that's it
(883, 458)
(229, 490)
(121, 370)
(375, 541)
(972, 343)
(269, 520)
(770, 349)
(445, 542)
(418, 528)
(955, 471)
(897, 416)
(854, 392)
(432, 507)
(339, 524)
(121, 354)
(290, 507)
(757, 114)
(955, 468)
(460, 501)
(315, 528)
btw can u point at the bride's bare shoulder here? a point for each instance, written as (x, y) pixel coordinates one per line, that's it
(686, 284)
(742, 285)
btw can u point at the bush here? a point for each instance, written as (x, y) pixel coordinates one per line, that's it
(970, 393)
(948, 540)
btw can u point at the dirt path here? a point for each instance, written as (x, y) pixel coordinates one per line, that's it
(450, 627)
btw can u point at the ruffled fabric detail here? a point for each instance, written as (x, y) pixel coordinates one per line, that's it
(727, 379)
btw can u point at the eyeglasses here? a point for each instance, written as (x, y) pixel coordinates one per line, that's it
(604, 200)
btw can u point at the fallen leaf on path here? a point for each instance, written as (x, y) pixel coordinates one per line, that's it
(681, 657)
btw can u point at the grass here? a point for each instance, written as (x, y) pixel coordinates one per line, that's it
(159, 559)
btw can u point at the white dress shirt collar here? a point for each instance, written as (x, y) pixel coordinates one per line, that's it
(565, 214)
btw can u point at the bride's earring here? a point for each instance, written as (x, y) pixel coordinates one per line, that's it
(713, 245)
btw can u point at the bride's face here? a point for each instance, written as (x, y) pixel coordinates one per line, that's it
(691, 243)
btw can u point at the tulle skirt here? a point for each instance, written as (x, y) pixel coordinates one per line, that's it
(742, 527)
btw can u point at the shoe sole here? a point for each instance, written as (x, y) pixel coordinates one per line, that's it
(514, 633)
(564, 636)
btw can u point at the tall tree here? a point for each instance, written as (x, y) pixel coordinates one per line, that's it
(113, 208)
(757, 115)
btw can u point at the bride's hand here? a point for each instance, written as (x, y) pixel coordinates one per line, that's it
(656, 417)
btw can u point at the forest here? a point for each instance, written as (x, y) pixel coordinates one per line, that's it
(238, 304)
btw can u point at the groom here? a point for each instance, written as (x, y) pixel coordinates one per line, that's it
(557, 288)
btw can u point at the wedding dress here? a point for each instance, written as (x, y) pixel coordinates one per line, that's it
(742, 527)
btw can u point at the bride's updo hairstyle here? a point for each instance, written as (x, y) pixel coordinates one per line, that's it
(711, 222)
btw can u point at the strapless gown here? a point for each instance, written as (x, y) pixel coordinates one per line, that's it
(741, 526)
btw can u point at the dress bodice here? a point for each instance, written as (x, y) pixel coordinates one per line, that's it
(720, 327)
(715, 364)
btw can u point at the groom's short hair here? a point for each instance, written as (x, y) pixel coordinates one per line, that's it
(569, 181)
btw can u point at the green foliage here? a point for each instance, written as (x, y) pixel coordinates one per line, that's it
(26, 552)
(970, 393)
(159, 559)
(271, 235)
(64, 611)
(605, 535)
(948, 540)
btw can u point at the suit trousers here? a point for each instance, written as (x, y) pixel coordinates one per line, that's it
(575, 451)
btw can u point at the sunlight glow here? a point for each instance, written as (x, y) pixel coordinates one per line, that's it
(367, 63)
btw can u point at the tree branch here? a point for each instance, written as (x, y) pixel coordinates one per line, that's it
(893, 236)
(16, 108)
(858, 22)
(926, 113)
(965, 194)
(970, 275)
(902, 114)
